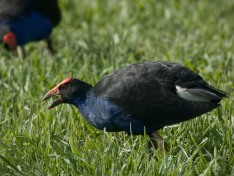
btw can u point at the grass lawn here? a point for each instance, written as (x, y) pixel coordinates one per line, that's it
(94, 39)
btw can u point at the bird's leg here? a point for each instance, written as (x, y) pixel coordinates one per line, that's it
(50, 46)
(157, 141)
(21, 51)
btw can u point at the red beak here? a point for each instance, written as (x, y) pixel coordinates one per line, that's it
(51, 93)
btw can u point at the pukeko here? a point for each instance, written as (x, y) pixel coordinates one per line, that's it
(140, 98)
(22, 21)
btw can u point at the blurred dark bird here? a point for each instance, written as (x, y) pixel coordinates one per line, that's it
(140, 98)
(23, 21)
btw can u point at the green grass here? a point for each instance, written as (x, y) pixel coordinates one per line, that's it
(94, 39)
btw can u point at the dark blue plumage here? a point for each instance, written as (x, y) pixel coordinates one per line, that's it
(140, 98)
(31, 28)
(27, 20)
(105, 114)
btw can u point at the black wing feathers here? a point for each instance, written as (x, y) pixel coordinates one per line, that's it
(163, 73)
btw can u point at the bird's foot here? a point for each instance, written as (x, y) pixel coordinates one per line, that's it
(50, 46)
(21, 52)
(157, 142)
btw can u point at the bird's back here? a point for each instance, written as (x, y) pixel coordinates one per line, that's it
(10, 9)
(50, 9)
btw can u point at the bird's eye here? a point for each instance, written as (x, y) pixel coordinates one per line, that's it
(63, 87)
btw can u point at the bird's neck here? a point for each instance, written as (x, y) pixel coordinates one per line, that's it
(80, 100)
(96, 110)
(85, 103)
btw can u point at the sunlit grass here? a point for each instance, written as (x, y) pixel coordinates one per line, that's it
(94, 39)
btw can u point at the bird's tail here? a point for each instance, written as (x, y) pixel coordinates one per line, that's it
(218, 92)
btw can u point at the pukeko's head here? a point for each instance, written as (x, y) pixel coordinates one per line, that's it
(68, 89)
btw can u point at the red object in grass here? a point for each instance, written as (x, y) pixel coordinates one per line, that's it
(10, 40)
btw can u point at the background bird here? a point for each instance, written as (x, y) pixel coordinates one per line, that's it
(23, 21)
(140, 98)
